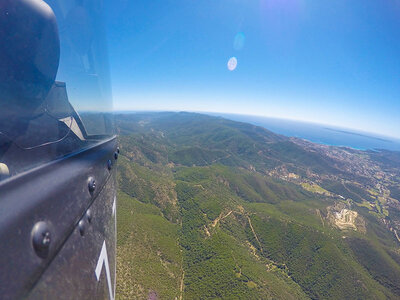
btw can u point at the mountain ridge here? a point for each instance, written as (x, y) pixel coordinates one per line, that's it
(256, 214)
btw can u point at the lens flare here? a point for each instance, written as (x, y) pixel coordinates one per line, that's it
(232, 63)
(239, 40)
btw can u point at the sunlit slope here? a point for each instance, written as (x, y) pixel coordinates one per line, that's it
(211, 208)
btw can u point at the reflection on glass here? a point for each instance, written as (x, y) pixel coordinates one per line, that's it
(55, 93)
(84, 62)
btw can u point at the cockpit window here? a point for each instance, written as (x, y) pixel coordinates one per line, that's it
(55, 95)
(84, 62)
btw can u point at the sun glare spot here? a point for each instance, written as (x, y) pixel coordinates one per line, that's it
(232, 63)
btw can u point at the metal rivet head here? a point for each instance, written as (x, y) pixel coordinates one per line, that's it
(82, 227)
(116, 155)
(89, 215)
(91, 184)
(109, 164)
(41, 239)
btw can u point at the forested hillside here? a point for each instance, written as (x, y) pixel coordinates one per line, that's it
(214, 209)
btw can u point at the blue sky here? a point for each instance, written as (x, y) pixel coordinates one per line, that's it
(332, 62)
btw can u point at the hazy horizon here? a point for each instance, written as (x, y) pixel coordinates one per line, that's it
(226, 115)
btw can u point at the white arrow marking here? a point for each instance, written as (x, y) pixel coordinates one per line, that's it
(114, 210)
(104, 258)
(114, 205)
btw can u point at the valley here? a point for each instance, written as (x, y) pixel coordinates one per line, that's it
(210, 208)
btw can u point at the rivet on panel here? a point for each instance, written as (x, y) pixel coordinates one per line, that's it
(89, 215)
(91, 184)
(82, 227)
(41, 239)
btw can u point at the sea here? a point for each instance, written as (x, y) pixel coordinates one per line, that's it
(318, 133)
